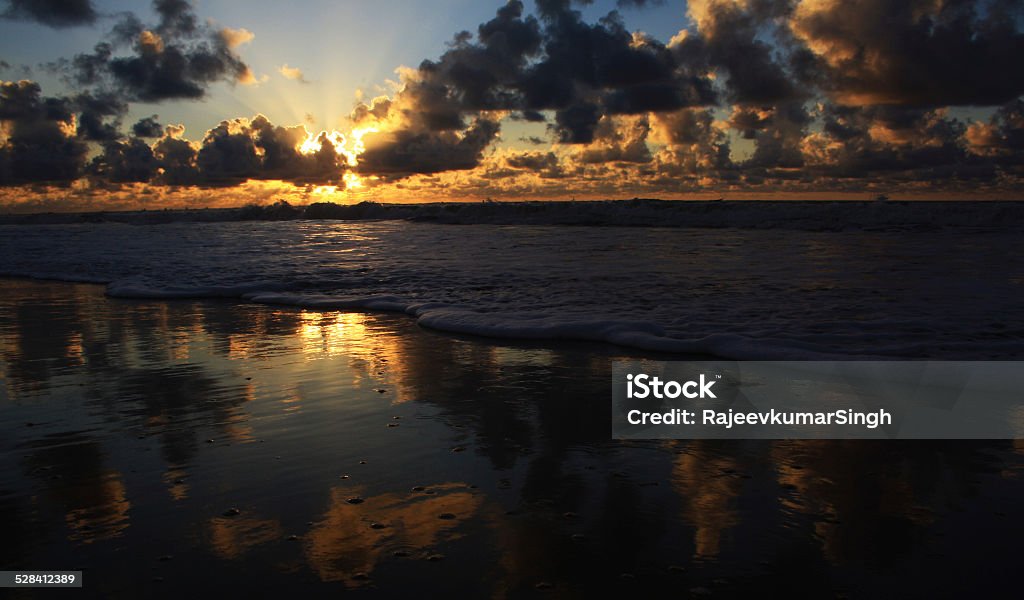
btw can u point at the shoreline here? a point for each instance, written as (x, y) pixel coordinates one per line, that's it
(639, 339)
(526, 343)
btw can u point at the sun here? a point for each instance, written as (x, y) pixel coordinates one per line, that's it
(349, 146)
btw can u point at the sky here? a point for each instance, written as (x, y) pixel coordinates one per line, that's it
(123, 105)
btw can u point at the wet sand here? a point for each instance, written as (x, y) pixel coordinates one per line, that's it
(177, 448)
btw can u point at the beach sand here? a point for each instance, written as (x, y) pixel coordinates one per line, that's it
(174, 448)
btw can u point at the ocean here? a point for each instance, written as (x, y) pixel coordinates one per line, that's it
(739, 293)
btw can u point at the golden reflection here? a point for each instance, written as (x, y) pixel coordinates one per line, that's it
(503, 356)
(292, 401)
(704, 480)
(242, 345)
(237, 427)
(74, 350)
(375, 358)
(176, 483)
(827, 481)
(179, 344)
(102, 513)
(345, 541)
(331, 334)
(231, 537)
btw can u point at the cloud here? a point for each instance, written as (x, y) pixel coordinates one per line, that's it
(293, 73)
(916, 53)
(730, 38)
(99, 116)
(147, 127)
(176, 58)
(44, 140)
(38, 141)
(773, 95)
(1002, 137)
(234, 38)
(618, 140)
(177, 158)
(899, 143)
(53, 13)
(404, 152)
(241, 149)
(126, 161)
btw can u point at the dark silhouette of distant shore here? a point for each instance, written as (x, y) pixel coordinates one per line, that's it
(785, 214)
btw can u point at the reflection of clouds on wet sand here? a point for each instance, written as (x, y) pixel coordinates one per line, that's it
(104, 514)
(703, 479)
(160, 415)
(72, 472)
(865, 499)
(231, 537)
(351, 539)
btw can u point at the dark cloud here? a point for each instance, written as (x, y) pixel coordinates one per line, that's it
(240, 149)
(147, 127)
(404, 152)
(517, 63)
(176, 18)
(533, 161)
(472, 77)
(878, 142)
(99, 118)
(914, 52)
(40, 142)
(604, 66)
(530, 116)
(544, 164)
(778, 137)
(177, 58)
(1003, 135)
(126, 161)
(731, 39)
(228, 154)
(576, 124)
(54, 13)
(177, 158)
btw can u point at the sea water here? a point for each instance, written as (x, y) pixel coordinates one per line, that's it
(741, 293)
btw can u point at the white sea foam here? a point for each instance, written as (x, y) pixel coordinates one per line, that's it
(735, 293)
